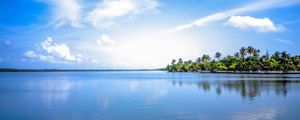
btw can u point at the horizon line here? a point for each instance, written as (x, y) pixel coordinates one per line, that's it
(84, 69)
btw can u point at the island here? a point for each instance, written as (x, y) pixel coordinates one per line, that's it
(247, 60)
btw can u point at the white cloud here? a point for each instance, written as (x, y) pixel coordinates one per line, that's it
(59, 49)
(259, 24)
(105, 40)
(67, 12)
(284, 41)
(105, 14)
(108, 10)
(256, 6)
(41, 57)
(94, 61)
(30, 54)
(54, 53)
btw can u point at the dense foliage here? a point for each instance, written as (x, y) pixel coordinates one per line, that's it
(247, 59)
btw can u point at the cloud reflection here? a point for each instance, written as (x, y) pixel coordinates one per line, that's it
(53, 90)
(263, 113)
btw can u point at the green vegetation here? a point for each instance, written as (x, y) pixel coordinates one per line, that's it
(247, 59)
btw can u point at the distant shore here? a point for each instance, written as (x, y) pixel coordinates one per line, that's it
(103, 70)
(71, 70)
(253, 72)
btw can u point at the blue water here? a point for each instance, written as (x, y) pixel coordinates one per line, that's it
(148, 95)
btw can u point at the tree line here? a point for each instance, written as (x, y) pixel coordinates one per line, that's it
(247, 59)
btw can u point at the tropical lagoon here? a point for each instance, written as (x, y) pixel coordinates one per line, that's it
(148, 95)
(149, 60)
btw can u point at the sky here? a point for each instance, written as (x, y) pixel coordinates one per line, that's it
(135, 34)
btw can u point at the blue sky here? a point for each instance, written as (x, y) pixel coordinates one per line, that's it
(111, 34)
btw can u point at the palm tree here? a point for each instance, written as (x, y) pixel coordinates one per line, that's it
(218, 55)
(256, 52)
(195, 67)
(284, 55)
(205, 57)
(236, 55)
(180, 61)
(186, 66)
(198, 60)
(250, 50)
(284, 60)
(173, 61)
(243, 52)
(267, 54)
(276, 55)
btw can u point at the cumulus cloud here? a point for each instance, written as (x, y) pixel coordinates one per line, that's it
(259, 24)
(34, 55)
(54, 53)
(57, 49)
(67, 12)
(256, 6)
(105, 40)
(106, 12)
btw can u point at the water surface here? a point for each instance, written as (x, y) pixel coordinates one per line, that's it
(148, 95)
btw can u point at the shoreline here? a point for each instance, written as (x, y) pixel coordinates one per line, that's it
(107, 70)
(252, 72)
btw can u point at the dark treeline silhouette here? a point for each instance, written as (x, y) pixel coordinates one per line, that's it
(247, 59)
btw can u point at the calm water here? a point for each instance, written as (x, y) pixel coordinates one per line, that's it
(148, 95)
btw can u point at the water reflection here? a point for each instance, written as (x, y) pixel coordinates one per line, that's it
(148, 96)
(52, 90)
(246, 88)
(261, 113)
